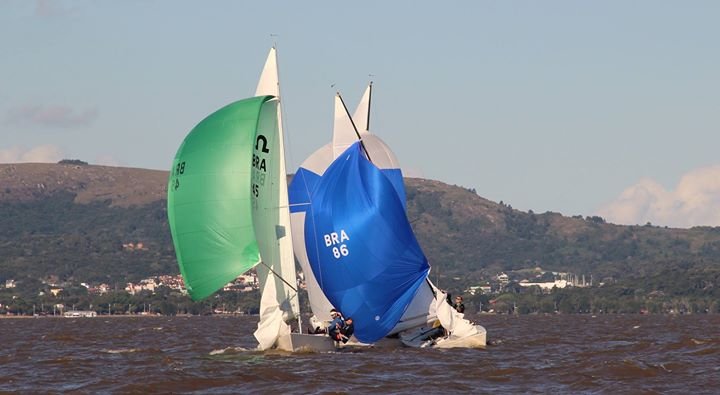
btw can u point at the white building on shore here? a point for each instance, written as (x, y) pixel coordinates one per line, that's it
(79, 314)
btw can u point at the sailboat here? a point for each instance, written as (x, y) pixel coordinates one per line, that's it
(414, 316)
(346, 131)
(228, 207)
(365, 256)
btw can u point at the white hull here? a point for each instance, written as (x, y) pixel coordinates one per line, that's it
(426, 337)
(416, 338)
(478, 340)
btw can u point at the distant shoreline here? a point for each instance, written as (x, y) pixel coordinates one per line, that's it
(98, 316)
(254, 315)
(126, 316)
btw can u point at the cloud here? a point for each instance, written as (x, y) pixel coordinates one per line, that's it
(49, 8)
(39, 154)
(694, 202)
(55, 116)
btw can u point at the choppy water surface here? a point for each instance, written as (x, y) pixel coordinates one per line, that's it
(537, 354)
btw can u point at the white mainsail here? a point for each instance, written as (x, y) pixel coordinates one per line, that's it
(276, 272)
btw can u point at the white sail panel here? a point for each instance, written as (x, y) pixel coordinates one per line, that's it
(421, 311)
(361, 116)
(267, 216)
(455, 323)
(379, 152)
(271, 216)
(270, 327)
(269, 83)
(284, 230)
(319, 304)
(344, 133)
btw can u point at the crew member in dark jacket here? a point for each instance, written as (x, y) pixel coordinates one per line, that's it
(458, 305)
(347, 330)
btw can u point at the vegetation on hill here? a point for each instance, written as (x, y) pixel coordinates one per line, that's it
(84, 242)
(75, 221)
(464, 234)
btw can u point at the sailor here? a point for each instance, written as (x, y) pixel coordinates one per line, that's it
(458, 305)
(317, 326)
(336, 325)
(347, 330)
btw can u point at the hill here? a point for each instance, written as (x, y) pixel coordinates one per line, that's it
(73, 220)
(76, 222)
(466, 235)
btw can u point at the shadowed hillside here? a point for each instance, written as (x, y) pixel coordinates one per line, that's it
(73, 220)
(470, 237)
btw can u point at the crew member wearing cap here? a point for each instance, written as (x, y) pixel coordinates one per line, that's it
(336, 325)
(347, 330)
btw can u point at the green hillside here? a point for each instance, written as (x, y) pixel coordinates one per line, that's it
(72, 221)
(466, 235)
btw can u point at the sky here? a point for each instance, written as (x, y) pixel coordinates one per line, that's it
(585, 108)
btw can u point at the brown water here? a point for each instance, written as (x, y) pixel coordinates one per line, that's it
(530, 354)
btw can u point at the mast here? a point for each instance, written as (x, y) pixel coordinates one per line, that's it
(367, 122)
(362, 111)
(284, 182)
(269, 84)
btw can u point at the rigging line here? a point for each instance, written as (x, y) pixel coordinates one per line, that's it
(299, 204)
(278, 276)
(427, 280)
(362, 143)
(287, 206)
(367, 124)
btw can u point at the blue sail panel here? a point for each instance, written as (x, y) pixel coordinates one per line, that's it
(303, 183)
(362, 249)
(396, 178)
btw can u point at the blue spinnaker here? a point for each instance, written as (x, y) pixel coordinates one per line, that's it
(301, 187)
(305, 181)
(362, 249)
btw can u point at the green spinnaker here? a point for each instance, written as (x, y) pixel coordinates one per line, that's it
(209, 198)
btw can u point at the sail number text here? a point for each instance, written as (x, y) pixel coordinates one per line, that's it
(336, 241)
(259, 165)
(179, 170)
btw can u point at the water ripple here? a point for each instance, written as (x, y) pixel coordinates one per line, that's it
(528, 354)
